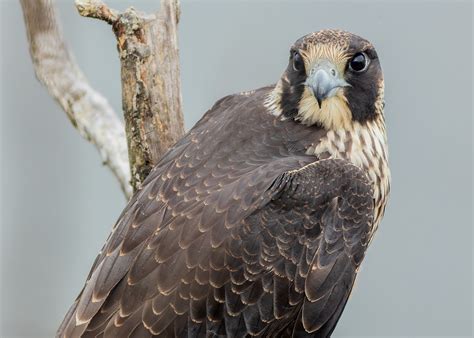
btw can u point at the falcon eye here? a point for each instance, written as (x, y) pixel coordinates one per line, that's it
(359, 62)
(298, 64)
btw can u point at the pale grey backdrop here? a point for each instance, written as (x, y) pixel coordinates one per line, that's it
(58, 203)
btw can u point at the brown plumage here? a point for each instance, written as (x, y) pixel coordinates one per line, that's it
(255, 223)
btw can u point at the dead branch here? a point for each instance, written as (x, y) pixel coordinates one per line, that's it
(89, 111)
(151, 87)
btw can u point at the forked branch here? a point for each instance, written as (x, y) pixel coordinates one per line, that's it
(88, 110)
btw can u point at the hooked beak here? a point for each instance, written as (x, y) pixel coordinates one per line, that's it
(324, 80)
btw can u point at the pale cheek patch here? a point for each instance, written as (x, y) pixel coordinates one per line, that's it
(273, 100)
(333, 114)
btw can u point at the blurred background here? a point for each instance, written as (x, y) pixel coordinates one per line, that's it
(58, 202)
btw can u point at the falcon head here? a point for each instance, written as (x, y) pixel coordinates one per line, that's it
(333, 78)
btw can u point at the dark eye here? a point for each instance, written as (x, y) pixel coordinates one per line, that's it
(359, 62)
(298, 64)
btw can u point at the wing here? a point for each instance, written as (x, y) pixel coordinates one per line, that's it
(190, 190)
(316, 232)
(276, 252)
(289, 267)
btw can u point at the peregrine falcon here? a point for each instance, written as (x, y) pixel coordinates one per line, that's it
(256, 222)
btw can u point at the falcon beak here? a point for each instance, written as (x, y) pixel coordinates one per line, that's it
(324, 80)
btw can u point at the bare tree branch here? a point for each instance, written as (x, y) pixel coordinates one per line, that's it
(151, 87)
(89, 112)
(97, 10)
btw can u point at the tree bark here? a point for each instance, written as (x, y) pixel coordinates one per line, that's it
(151, 86)
(88, 110)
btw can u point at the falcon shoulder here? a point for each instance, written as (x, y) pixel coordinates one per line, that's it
(316, 228)
(295, 258)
